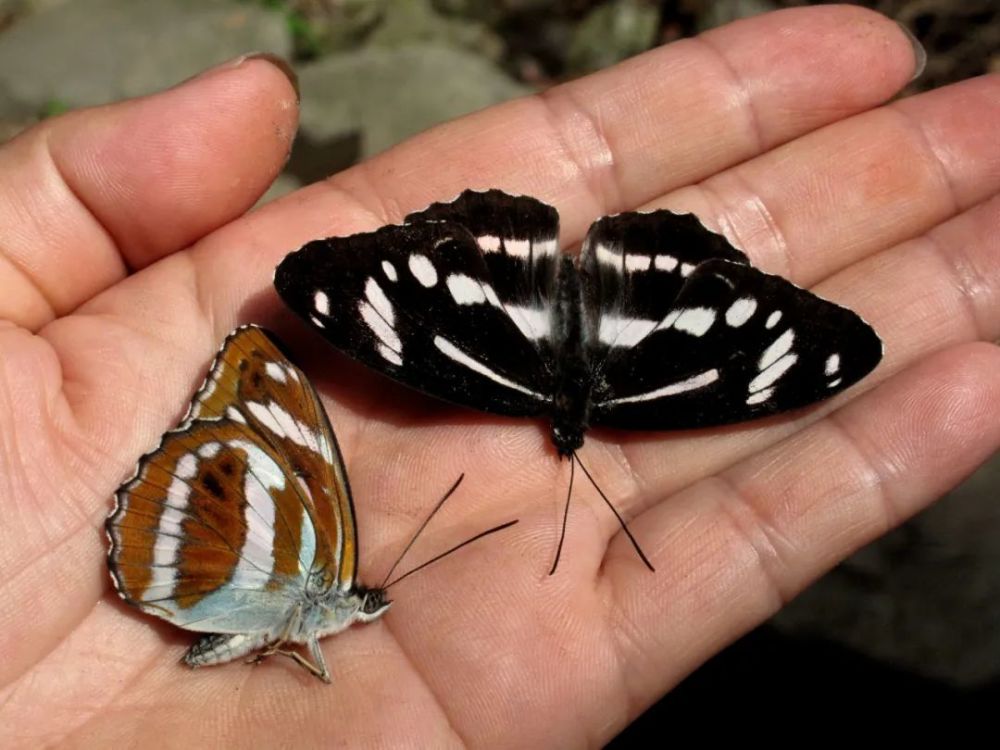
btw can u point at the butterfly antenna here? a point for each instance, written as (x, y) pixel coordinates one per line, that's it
(562, 534)
(457, 547)
(618, 515)
(427, 520)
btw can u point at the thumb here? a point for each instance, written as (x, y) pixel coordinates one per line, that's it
(94, 194)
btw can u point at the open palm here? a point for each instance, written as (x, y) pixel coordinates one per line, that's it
(125, 258)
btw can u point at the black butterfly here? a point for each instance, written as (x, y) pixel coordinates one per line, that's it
(659, 324)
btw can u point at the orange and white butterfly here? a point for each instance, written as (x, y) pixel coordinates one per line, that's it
(241, 523)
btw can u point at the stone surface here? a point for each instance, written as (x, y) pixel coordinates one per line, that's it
(385, 95)
(612, 32)
(415, 21)
(82, 53)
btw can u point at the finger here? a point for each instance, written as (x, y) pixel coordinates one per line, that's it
(678, 114)
(731, 550)
(98, 192)
(823, 201)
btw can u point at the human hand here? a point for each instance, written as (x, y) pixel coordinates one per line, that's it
(126, 259)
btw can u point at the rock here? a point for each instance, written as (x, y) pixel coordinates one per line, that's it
(612, 32)
(416, 22)
(321, 27)
(84, 53)
(385, 95)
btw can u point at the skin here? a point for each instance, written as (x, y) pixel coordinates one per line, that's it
(126, 257)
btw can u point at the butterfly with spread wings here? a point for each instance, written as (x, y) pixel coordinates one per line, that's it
(241, 523)
(658, 324)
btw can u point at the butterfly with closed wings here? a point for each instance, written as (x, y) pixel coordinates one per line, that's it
(241, 523)
(658, 324)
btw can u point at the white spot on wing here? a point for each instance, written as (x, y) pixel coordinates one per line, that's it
(259, 516)
(385, 333)
(546, 247)
(760, 396)
(321, 302)
(518, 248)
(770, 376)
(832, 364)
(423, 270)
(317, 322)
(634, 262)
(778, 349)
(389, 270)
(465, 290)
(694, 320)
(379, 301)
(210, 450)
(671, 318)
(618, 331)
(741, 311)
(488, 243)
(187, 466)
(283, 424)
(491, 296)
(607, 256)
(772, 319)
(256, 561)
(389, 354)
(834, 383)
(169, 532)
(532, 322)
(457, 355)
(686, 269)
(665, 262)
(692, 383)
(276, 372)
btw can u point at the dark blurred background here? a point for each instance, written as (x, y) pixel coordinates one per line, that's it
(906, 630)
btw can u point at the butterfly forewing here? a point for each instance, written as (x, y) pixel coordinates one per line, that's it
(737, 344)
(417, 302)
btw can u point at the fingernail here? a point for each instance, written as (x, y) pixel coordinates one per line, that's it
(919, 53)
(286, 67)
(279, 62)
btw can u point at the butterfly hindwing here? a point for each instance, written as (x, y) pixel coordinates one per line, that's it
(417, 302)
(633, 266)
(737, 344)
(188, 548)
(518, 237)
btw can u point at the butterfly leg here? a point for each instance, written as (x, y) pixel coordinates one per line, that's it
(219, 648)
(316, 667)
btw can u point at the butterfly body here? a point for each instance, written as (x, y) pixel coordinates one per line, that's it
(241, 523)
(657, 324)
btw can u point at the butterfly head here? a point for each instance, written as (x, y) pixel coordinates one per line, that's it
(338, 610)
(373, 604)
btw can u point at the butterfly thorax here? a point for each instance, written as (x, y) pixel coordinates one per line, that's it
(336, 610)
(572, 377)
